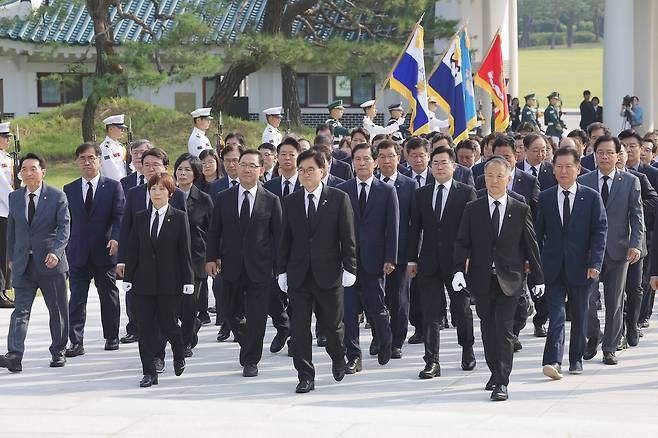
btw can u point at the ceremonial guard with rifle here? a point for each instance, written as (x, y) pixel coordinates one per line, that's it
(529, 112)
(336, 110)
(554, 124)
(397, 116)
(113, 164)
(271, 134)
(370, 110)
(198, 140)
(6, 187)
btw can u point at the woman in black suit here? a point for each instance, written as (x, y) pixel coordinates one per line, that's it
(158, 272)
(211, 169)
(199, 211)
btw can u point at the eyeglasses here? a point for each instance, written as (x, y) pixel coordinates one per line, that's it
(208, 163)
(605, 153)
(250, 166)
(441, 163)
(387, 157)
(307, 170)
(91, 159)
(231, 160)
(153, 165)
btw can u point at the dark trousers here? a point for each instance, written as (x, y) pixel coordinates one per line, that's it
(189, 322)
(251, 299)
(53, 289)
(277, 308)
(157, 315)
(219, 298)
(5, 272)
(415, 308)
(648, 295)
(432, 293)
(633, 300)
(521, 313)
(202, 301)
(105, 279)
(541, 310)
(496, 312)
(371, 289)
(329, 310)
(397, 302)
(131, 326)
(555, 298)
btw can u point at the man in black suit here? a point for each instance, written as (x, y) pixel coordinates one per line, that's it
(535, 162)
(316, 259)
(436, 214)
(245, 227)
(377, 221)
(137, 149)
(496, 235)
(594, 131)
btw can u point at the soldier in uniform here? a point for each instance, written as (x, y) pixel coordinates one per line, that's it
(436, 124)
(336, 109)
(198, 140)
(554, 126)
(113, 164)
(397, 116)
(6, 187)
(271, 134)
(529, 112)
(370, 110)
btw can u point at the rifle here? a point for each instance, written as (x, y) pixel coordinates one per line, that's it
(130, 142)
(220, 133)
(16, 158)
(287, 121)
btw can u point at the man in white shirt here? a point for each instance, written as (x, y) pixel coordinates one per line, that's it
(6, 187)
(113, 164)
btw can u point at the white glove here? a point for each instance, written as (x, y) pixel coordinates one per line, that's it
(538, 291)
(348, 279)
(458, 281)
(188, 289)
(282, 279)
(127, 286)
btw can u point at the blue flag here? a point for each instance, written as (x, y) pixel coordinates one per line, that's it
(467, 80)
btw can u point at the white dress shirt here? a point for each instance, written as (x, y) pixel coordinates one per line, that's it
(85, 186)
(37, 193)
(391, 179)
(446, 189)
(368, 184)
(527, 168)
(423, 177)
(560, 199)
(160, 212)
(612, 178)
(252, 198)
(501, 209)
(316, 197)
(292, 180)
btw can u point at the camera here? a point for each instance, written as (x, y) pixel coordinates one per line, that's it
(627, 100)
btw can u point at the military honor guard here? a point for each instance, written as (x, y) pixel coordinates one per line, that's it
(113, 164)
(436, 124)
(370, 109)
(529, 112)
(398, 116)
(198, 140)
(271, 134)
(6, 187)
(336, 110)
(554, 125)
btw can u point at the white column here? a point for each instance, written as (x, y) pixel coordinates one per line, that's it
(487, 35)
(645, 49)
(618, 59)
(513, 43)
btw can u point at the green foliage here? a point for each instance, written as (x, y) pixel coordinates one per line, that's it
(544, 38)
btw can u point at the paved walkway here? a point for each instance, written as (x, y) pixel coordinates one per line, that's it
(98, 394)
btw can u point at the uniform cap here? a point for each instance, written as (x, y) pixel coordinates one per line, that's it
(336, 104)
(115, 120)
(367, 104)
(4, 130)
(201, 112)
(275, 111)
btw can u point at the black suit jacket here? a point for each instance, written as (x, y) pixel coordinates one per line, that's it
(333, 181)
(545, 176)
(253, 251)
(340, 169)
(199, 213)
(163, 267)
(326, 246)
(130, 181)
(274, 186)
(515, 244)
(438, 238)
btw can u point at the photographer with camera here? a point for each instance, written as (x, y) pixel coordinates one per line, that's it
(632, 112)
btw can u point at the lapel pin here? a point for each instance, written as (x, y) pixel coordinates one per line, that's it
(509, 215)
(324, 202)
(45, 197)
(582, 199)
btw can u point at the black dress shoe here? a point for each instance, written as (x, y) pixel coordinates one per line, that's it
(279, 341)
(384, 354)
(111, 344)
(129, 339)
(187, 351)
(250, 370)
(576, 368)
(205, 319)
(75, 350)
(159, 365)
(321, 341)
(374, 348)
(212, 310)
(499, 393)
(431, 370)
(396, 353)
(491, 384)
(305, 386)
(148, 380)
(591, 348)
(416, 338)
(13, 364)
(633, 338)
(338, 369)
(5, 301)
(609, 358)
(517, 344)
(353, 366)
(644, 323)
(468, 359)
(540, 331)
(445, 322)
(224, 333)
(622, 344)
(179, 366)
(58, 360)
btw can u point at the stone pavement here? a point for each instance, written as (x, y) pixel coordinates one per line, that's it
(98, 395)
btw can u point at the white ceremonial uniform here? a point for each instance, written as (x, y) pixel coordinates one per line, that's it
(6, 182)
(272, 135)
(436, 125)
(373, 129)
(198, 142)
(112, 159)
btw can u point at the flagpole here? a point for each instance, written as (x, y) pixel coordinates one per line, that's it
(380, 91)
(438, 63)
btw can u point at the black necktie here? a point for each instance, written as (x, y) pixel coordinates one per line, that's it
(533, 170)
(244, 212)
(362, 198)
(234, 183)
(141, 179)
(31, 208)
(418, 177)
(311, 208)
(605, 191)
(286, 188)
(150, 204)
(89, 197)
(154, 227)
(495, 218)
(386, 179)
(438, 202)
(566, 211)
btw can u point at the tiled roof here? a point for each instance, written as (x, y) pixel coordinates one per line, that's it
(70, 23)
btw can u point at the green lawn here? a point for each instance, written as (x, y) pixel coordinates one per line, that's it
(568, 71)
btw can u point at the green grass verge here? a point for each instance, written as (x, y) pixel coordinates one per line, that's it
(568, 71)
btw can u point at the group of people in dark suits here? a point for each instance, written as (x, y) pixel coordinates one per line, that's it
(384, 232)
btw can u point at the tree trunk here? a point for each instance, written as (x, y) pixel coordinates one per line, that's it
(556, 24)
(526, 24)
(89, 116)
(289, 89)
(569, 33)
(230, 83)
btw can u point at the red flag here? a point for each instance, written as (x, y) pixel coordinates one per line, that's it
(491, 78)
